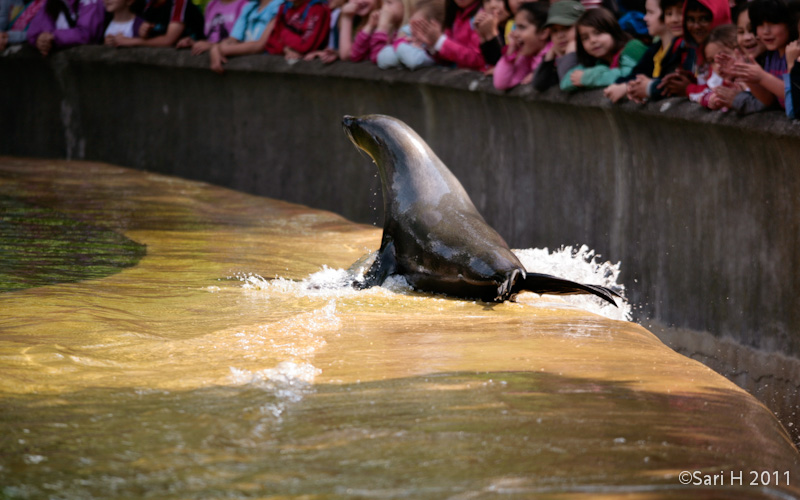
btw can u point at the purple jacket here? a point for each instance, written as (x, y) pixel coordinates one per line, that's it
(89, 20)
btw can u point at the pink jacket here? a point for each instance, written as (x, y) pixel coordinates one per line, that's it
(462, 45)
(367, 45)
(512, 69)
(89, 17)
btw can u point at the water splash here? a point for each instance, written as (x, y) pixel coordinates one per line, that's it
(288, 382)
(580, 264)
(584, 266)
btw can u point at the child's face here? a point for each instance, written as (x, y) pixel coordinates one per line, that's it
(673, 18)
(116, 5)
(596, 43)
(745, 37)
(698, 24)
(363, 7)
(773, 36)
(396, 8)
(714, 48)
(496, 8)
(561, 36)
(530, 40)
(652, 14)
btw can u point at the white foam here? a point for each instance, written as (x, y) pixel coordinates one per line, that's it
(577, 264)
(584, 266)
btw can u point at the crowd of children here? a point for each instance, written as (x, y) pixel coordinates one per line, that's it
(722, 54)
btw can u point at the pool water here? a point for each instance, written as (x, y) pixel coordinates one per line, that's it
(163, 338)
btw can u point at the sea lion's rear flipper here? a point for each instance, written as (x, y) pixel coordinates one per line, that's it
(384, 266)
(544, 283)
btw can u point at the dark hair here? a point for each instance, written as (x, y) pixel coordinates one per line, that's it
(537, 13)
(508, 6)
(451, 11)
(666, 4)
(53, 8)
(775, 12)
(737, 10)
(603, 21)
(724, 34)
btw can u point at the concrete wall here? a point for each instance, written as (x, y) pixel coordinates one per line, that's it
(703, 209)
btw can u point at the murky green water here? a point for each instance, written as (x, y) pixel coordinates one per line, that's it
(168, 374)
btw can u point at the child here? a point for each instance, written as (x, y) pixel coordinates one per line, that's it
(746, 38)
(561, 19)
(490, 22)
(721, 40)
(460, 43)
(61, 24)
(15, 18)
(605, 52)
(357, 15)
(166, 22)
(331, 52)
(380, 30)
(792, 80)
(664, 20)
(122, 20)
(775, 27)
(699, 18)
(405, 49)
(249, 33)
(299, 28)
(527, 45)
(220, 16)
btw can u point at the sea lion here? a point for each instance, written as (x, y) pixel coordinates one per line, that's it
(433, 235)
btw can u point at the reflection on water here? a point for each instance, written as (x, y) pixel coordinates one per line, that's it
(190, 376)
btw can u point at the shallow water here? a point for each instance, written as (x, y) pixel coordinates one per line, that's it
(189, 371)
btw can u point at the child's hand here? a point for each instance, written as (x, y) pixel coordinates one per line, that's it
(637, 88)
(792, 54)
(576, 77)
(674, 84)
(184, 43)
(748, 71)
(723, 97)
(372, 21)
(486, 25)
(44, 42)
(426, 31)
(725, 62)
(110, 41)
(350, 8)
(200, 47)
(145, 30)
(511, 43)
(327, 56)
(217, 59)
(388, 20)
(291, 55)
(527, 80)
(124, 41)
(615, 92)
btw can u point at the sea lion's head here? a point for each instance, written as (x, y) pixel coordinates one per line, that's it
(388, 141)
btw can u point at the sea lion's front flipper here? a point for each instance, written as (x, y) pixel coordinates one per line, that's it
(544, 283)
(384, 266)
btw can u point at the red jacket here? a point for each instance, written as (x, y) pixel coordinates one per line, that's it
(463, 44)
(302, 26)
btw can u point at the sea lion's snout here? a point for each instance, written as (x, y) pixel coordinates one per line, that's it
(348, 121)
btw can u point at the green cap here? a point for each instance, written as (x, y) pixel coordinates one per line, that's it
(565, 13)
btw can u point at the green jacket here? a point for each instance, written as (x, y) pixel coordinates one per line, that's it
(602, 75)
